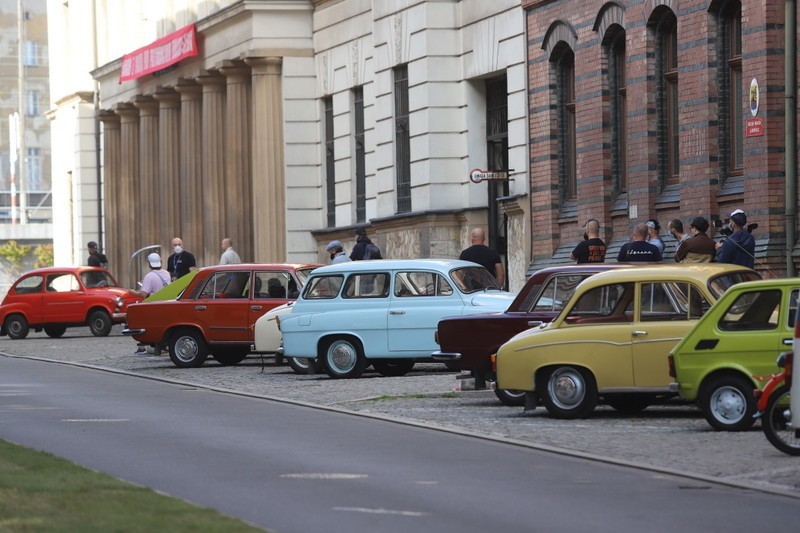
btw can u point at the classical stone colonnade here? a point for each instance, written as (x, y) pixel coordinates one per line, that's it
(198, 158)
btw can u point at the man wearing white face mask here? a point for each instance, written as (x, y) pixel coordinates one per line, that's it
(180, 262)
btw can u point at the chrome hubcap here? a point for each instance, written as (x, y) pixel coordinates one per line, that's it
(186, 349)
(342, 356)
(566, 388)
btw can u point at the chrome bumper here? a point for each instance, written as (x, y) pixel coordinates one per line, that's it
(119, 316)
(673, 387)
(132, 332)
(445, 356)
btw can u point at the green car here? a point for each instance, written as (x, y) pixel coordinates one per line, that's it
(738, 338)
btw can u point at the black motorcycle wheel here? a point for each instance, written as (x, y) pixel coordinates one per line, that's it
(777, 423)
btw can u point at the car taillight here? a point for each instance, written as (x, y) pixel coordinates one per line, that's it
(671, 361)
(493, 359)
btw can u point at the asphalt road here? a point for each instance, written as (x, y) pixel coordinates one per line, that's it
(294, 468)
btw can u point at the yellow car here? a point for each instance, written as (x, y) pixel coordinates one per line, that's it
(613, 337)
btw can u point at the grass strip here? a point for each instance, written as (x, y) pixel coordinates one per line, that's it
(42, 493)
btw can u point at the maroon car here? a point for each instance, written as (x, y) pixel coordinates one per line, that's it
(467, 342)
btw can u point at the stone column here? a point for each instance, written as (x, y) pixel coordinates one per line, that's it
(238, 193)
(169, 167)
(148, 216)
(191, 189)
(128, 228)
(269, 211)
(214, 183)
(111, 193)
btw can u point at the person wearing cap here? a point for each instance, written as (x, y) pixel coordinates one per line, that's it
(591, 249)
(740, 247)
(639, 250)
(654, 235)
(229, 255)
(96, 259)
(699, 247)
(360, 248)
(336, 251)
(155, 280)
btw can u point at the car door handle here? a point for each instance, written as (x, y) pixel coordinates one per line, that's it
(397, 312)
(638, 332)
(787, 342)
(199, 307)
(256, 308)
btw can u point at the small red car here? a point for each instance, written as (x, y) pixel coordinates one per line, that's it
(53, 299)
(216, 312)
(467, 342)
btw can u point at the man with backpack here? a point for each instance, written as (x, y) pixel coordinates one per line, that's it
(364, 248)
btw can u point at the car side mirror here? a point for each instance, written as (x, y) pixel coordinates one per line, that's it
(535, 323)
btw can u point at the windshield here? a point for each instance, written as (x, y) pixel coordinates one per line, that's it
(302, 275)
(474, 279)
(720, 284)
(97, 278)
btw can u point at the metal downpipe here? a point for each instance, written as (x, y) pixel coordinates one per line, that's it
(790, 130)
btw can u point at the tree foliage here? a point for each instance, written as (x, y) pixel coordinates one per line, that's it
(13, 254)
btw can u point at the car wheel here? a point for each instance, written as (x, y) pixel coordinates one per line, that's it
(303, 365)
(230, 356)
(393, 367)
(187, 348)
(100, 323)
(55, 331)
(569, 392)
(343, 358)
(728, 403)
(512, 398)
(628, 403)
(17, 327)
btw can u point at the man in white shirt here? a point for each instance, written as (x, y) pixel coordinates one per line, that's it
(229, 255)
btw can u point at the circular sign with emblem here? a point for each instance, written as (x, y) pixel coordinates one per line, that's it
(754, 97)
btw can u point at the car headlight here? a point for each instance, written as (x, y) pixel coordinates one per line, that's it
(120, 301)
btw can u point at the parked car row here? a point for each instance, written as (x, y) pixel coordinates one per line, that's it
(574, 336)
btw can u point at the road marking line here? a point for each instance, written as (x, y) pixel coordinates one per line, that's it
(379, 511)
(426, 482)
(95, 419)
(322, 475)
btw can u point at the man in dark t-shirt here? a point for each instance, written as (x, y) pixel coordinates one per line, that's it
(96, 258)
(639, 250)
(180, 262)
(484, 256)
(591, 249)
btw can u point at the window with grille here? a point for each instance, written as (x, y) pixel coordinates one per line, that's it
(667, 99)
(402, 139)
(618, 111)
(564, 63)
(30, 53)
(361, 172)
(330, 163)
(731, 106)
(32, 103)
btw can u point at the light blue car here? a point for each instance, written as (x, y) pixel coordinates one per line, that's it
(383, 313)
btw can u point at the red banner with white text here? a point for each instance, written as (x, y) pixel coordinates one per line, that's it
(159, 54)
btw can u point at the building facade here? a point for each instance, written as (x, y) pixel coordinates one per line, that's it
(661, 109)
(297, 122)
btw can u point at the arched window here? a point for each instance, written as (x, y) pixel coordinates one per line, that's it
(617, 90)
(563, 61)
(666, 29)
(731, 106)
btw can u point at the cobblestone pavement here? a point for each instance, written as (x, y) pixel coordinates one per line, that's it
(672, 437)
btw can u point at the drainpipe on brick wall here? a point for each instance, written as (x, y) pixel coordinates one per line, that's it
(790, 127)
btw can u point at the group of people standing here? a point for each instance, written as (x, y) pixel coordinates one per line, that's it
(694, 246)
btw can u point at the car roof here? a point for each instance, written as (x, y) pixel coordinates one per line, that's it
(51, 270)
(780, 283)
(699, 272)
(259, 266)
(394, 264)
(583, 267)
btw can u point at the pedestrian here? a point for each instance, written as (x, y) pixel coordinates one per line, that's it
(739, 247)
(155, 280)
(699, 247)
(364, 248)
(229, 255)
(96, 258)
(336, 252)
(591, 249)
(654, 235)
(484, 256)
(675, 227)
(180, 262)
(639, 250)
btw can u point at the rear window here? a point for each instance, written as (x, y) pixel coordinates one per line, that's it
(720, 284)
(367, 285)
(225, 285)
(29, 285)
(605, 304)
